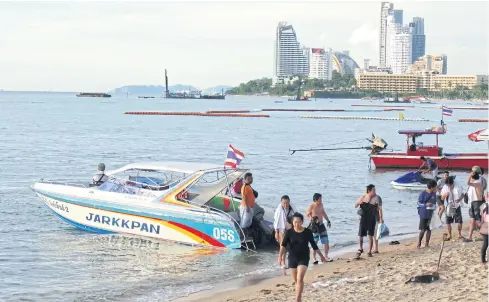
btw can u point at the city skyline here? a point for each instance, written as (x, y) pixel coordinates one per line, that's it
(101, 46)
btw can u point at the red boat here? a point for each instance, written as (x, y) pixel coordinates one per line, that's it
(410, 159)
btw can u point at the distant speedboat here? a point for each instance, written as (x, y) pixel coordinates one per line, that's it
(172, 201)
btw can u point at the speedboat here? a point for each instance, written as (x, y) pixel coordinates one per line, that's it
(179, 202)
(411, 181)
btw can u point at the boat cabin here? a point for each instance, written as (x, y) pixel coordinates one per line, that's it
(415, 148)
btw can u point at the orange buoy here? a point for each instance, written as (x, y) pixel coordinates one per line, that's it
(195, 114)
(473, 120)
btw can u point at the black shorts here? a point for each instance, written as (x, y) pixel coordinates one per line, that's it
(439, 201)
(294, 262)
(424, 224)
(475, 210)
(457, 217)
(366, 228)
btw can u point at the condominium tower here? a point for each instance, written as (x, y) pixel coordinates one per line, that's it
(398, 46)
(289, 58)
(387, 9)
(419, 38)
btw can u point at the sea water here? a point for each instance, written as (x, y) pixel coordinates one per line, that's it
(57, 135)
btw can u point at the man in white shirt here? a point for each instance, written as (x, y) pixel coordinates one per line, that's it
(99, 177)
(453, 196)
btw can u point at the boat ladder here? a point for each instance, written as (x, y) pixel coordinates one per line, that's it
(247, 241)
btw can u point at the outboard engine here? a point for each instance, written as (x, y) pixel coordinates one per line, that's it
(378, 144)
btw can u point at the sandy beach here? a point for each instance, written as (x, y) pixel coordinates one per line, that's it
(382, 277)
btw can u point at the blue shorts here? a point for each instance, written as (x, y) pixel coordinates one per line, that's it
(323, 236)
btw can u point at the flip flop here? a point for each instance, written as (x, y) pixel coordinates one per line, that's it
(376, 252)
(329, 260)
(316, 262)
(394, 242)
(370, 254)
(359, 253)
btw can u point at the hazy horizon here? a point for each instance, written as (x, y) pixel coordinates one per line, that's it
(99, 46)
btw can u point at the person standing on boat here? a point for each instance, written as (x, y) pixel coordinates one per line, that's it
(368, 204)
(247, 207)
(316, 214)
(99, 177)
(453, 195)
(426, 207)
(475, 199)
(283, 219)
(297, 241)
(439, 186)
(430, 165)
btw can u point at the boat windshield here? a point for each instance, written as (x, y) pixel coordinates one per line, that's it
(139, 182)
(211, 184)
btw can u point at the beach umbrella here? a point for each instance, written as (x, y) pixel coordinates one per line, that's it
(478, 136)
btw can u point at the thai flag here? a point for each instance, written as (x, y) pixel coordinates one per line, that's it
(233, 158)
(446, 111)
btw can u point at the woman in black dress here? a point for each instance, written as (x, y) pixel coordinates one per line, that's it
(297, 239)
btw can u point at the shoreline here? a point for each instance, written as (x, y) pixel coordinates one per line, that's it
(388, 271)
(244, 282)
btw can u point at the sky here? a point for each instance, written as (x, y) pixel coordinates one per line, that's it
(98, 46)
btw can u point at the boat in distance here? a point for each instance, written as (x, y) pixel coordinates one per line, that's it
(180, 202)
(94, 95)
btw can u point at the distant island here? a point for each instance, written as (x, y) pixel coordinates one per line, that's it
(160, 89)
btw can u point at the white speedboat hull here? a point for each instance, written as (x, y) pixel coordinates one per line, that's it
(188, 226)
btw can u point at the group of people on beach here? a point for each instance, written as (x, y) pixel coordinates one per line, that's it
(448, 196)
(295, 239)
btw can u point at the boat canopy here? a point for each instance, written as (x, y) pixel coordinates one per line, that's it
(180, 167)
(420, 132)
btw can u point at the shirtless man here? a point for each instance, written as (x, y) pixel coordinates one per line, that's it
(316, 209)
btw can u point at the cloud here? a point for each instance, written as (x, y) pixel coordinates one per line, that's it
(365, 34)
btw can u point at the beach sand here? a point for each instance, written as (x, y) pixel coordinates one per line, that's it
(381, 277)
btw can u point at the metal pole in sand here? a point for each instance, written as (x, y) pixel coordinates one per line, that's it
(441, 251)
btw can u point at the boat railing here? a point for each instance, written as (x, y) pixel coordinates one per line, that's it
(66, 182)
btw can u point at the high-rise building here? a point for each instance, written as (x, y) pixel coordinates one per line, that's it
(398, 46)
(320, 64)
(419, 38)
(289, 58)
(386, 10)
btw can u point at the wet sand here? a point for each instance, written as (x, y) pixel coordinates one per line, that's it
(383, 277)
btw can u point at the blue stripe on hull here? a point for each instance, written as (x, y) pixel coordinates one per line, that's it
(82, 226)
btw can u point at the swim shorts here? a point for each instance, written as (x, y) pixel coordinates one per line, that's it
(294, 262)
(323, 235)
(475, 210)
(367, 228)
(457, 218)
